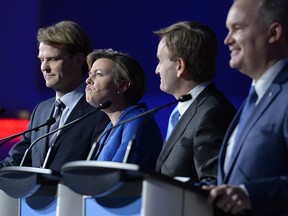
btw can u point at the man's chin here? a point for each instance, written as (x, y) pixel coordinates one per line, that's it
(163, 89)
(233, 64)
(50, 85)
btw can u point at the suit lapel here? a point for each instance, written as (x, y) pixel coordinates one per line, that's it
(183, 123)
(43, 143)
(261, 107)
(177, 132)
(78, 111)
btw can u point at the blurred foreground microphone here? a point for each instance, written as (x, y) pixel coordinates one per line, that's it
(7, 139)
(101, 106)
(96, 144)
(2, 110)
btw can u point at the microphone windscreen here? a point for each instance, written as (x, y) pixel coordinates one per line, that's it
(184, 98)
(105, 105)
(51, 121)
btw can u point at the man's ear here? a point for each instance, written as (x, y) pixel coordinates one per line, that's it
(181, 67)
(275, 32)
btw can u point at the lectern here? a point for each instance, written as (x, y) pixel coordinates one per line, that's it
(163, 195)
(98, 188)
(108, 188)
(9, 206)
(20, 181)
(34, 189)
(138, 192)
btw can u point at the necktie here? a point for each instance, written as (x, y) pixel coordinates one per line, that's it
(174, 118)
(248, 108)
(246, 113)
(59, 107)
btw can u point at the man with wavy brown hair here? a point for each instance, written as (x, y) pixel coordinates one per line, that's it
(63, 48)
(187, 54)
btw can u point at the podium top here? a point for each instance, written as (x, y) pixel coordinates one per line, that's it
(21, 181)
(101, 178)
(100, 165)
(169, 180)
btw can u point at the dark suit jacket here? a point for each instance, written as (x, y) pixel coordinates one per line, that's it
(73, 143)
(261, 159)
(193, 146)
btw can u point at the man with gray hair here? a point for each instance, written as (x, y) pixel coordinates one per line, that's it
(253, 165)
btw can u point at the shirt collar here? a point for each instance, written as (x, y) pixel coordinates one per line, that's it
(267, 78)
(71, 98)
(183, 106)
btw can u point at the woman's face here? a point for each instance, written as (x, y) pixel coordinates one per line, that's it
(100, 83)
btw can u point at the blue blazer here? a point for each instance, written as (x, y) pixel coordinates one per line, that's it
(72, 143)
(261, 159)
(148, 142)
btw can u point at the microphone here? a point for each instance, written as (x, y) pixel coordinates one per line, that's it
(7, 139)
(131, 144)
(2, 110)
(153, 111)
(101, 106)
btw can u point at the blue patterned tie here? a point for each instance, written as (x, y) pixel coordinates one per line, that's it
(59, 107)
(174, 118)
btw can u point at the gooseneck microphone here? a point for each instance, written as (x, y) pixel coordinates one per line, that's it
(7, 139)
(132, 143)
(2, 110)
(101, 106)
(96, 144)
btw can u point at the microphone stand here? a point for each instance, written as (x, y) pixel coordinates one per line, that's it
(132, 143)
(101, 106)
(20, 181)
(98, 178)
(152, 111)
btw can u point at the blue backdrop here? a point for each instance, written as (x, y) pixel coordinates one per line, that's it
(124, 25)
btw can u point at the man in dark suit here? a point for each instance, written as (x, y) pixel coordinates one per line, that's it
(253, 165)
(187, 54)
(63, 48)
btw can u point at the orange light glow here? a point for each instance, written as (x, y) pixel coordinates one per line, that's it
(9, 127)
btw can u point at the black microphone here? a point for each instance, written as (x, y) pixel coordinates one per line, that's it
(2, 110)
(7, 139)
(131, 144)
(101, 106)
(153, 111)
